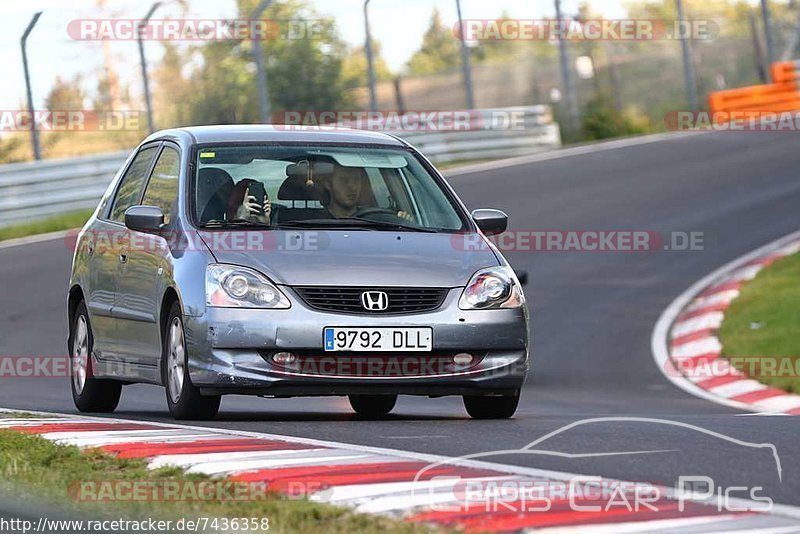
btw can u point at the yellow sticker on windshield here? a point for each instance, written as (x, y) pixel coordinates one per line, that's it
(207, 154)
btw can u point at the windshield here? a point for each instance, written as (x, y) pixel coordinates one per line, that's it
(318, 187)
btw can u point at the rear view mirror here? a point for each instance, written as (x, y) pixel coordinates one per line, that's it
(147, 219)
(318, 169)
(490, 222)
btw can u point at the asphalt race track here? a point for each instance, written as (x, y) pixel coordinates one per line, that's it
(593, 315)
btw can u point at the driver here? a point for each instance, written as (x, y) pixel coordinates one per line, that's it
(343, 191)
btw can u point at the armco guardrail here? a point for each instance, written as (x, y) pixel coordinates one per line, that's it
(494, 133)
(779, 96)
(30, 191)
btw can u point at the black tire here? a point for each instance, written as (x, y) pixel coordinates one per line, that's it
(96, 395)
(491, 407)
(189, 404)
(373, 405)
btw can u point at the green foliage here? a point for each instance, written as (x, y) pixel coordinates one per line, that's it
(220, 84)
(354, 66)
(601, 121)
(440, 50)
(65, 95)
(43, 472)
(763, 324)
(51, 224)
(10, 149)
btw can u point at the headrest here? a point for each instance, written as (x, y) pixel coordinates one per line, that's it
(296, 187)
(214, 179)
(303, 182)
(212, 182)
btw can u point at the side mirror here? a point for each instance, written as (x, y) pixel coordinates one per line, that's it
(522, 276)
(147, 219)
(491, 222)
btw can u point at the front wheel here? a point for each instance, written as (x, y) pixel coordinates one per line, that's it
(183, 398)
(373, 405)
(491, 407)
(89, 394)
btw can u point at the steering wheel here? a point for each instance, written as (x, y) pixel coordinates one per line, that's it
(374, 211)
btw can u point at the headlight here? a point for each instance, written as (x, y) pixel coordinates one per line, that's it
(495, 287)
(230, 286)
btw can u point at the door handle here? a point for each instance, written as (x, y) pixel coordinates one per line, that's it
(123, 257)
(90, 249)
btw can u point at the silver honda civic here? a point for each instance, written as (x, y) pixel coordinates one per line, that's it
(292, 262)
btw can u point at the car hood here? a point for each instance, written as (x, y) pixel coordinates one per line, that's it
(355, 258)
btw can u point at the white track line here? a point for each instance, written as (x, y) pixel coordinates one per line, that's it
(377, 505)
(38, 238)
(707, 321)
(698, 347)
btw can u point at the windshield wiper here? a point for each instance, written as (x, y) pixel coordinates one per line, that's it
(321, 223)
(394, 225)
(237, 223)
(353, 222)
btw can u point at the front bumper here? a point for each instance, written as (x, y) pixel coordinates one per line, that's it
(229, 351)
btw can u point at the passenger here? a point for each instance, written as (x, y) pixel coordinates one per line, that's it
(243, 205)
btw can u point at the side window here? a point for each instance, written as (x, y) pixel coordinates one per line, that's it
(382, 194)
(131, 184)
(162, 190)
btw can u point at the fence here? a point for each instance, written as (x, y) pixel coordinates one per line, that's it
(36, 190)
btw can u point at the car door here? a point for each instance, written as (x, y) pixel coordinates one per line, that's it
(148, 266)
(105, 241)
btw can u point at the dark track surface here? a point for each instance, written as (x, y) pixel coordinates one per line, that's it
(593, 315)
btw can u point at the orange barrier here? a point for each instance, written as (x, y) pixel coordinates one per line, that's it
(785, 71)
(780, 96)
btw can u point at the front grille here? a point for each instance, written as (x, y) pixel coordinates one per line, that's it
(348, 299)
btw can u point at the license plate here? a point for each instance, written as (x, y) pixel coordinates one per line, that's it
(378, 339)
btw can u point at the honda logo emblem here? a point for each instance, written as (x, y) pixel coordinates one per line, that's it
(375, 300)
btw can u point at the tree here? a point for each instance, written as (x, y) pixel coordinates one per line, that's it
(172, 98)
(440, 50)
(498, 49)
(304, 71)
(65, 95)
(354, 66)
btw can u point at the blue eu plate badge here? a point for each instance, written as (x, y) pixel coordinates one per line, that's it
(329, 339)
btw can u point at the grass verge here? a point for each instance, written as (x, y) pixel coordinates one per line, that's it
(38, 469)
(66, 221)
(761, 330)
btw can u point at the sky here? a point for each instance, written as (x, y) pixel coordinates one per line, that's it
(398, 24)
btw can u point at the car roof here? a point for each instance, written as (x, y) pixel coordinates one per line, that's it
(255, 133)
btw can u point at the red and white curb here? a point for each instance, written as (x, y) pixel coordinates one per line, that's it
(392, 482)
(688, 352)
